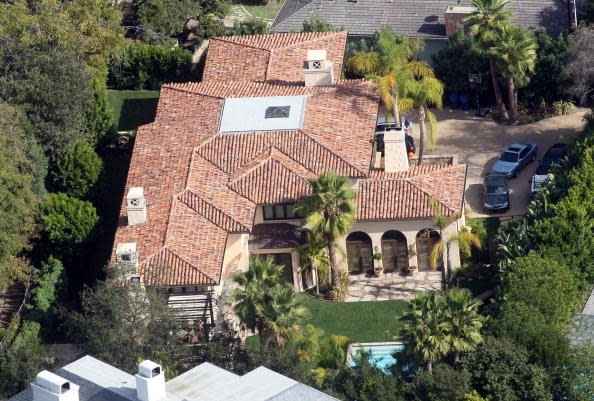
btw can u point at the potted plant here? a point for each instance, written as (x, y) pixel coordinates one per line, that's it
(378, 266)
(412, 270)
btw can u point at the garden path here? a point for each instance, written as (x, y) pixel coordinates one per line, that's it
(391, 286)
(582, 324)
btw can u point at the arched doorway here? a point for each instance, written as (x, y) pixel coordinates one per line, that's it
(359, 252)
(394, 251)
(426, 239)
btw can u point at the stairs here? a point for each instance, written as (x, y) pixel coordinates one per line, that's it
(11, 300)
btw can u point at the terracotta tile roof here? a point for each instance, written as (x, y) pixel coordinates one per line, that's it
(406, 195)
(277, 57)
(213, 214)
(269, 42)
(167, 267)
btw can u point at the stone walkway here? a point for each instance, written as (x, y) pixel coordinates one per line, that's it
(582, 324)
(392, 286)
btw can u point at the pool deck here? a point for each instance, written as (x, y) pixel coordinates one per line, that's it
(392, 286)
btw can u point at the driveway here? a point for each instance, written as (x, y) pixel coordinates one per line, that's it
(478, 141)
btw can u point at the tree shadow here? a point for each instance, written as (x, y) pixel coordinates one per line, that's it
(136, 112)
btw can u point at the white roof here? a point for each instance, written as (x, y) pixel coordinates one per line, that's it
(247, 114)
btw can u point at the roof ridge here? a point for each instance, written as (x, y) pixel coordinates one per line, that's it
(250, 165)
(147, 264)
(211, 212)
(307, 37)
(362, 174)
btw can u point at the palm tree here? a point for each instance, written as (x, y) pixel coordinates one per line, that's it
(515, 54)
(255, 282)
(329, 212)
(490, 17)
(425, 332)
(313, 257)
(392, 60)
(279, 315)
(464, 323)
(465, 240)
(420, 92)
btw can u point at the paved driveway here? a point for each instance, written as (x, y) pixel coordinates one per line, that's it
(479, 141)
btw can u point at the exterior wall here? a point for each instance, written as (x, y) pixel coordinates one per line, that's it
(236, 259)
(232, 62)
(410, 229)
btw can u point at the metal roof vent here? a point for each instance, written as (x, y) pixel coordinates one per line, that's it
(51, 387)
(150, 381)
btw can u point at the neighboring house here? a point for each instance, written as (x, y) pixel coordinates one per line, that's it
(215, 178)
(89, 379)
(431, 20)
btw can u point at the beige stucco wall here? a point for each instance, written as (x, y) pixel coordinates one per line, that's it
(410, 229)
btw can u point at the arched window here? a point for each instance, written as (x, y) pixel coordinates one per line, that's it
(426, 239)
(394, 250)
(359, 253)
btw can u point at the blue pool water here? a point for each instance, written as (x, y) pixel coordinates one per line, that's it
(381, 354)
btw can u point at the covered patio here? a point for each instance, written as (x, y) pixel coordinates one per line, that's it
(395, 285)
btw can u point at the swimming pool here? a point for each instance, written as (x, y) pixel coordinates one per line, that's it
(381, 354)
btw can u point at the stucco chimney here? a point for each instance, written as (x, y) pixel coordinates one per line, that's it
(51, 387)
(136, 206)
(317, 70)
(454, 16)
(150, 382)
(395, 157)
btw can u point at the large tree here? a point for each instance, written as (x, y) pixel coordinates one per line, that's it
(266, 306)
(515, 57)
(419, 92)
(489, 18)
(329, 212)
(146, 327)
(425, 332)
(580, 67)
(17, 197)
(391, 61)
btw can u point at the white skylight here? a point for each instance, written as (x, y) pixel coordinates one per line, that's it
(273, 113)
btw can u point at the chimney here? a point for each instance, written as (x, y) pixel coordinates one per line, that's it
(150, 382)
(317, 70)
(136, 206)
(454, 16)
(395, 157)
(50, 387)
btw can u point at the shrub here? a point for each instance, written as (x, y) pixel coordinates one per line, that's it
(67, 221)
(444, 383)
(77, 171)
(251, 26)
(342, 287)
(49, 284)
(144, 66)
(563, 107)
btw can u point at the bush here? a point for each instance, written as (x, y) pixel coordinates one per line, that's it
(77, 172)
(49, 284)
(563, 107)
(67, 221)
(143, 66)
(444, 383)
(252, 26)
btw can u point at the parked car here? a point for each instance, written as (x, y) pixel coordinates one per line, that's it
(551, 158)
(495, 193)
(383, 126)
(515, 158)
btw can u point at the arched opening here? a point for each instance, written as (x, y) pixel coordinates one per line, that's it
(426, 239)
(359, 252)
(394, 251)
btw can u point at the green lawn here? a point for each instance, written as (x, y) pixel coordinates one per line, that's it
(359, 321)
(256, 9)
(132, 108)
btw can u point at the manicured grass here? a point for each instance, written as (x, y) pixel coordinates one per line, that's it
(257, 10)
(359, 321)
(132, 108)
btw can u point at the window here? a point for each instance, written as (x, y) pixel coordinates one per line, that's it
(279, 212)
(277, 112)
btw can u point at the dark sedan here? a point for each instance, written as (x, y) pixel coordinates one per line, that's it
(495, 193)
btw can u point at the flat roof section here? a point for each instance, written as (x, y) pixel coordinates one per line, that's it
(272, 113)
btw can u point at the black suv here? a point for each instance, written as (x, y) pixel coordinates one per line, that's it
(408, 139)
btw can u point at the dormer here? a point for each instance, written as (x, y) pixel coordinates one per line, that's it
(317, 70)
(136, 206)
